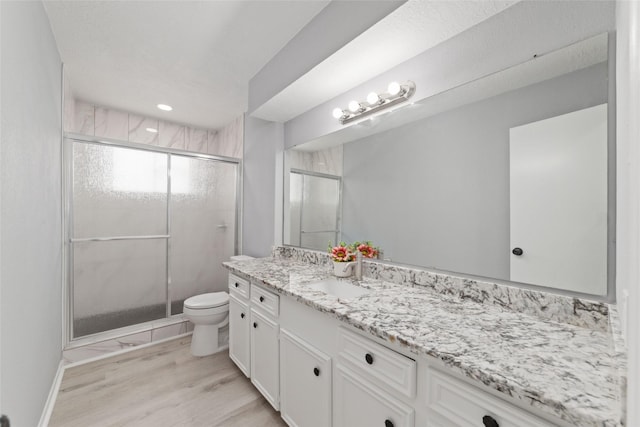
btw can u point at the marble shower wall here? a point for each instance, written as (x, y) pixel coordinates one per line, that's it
(327, 161)
(94, 120)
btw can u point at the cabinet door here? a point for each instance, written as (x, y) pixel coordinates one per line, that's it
(305, 383)
(239, 334)
(358, 403)
(265, 372)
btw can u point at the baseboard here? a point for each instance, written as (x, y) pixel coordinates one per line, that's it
(51, 399)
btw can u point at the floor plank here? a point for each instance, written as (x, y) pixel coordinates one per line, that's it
(161, 385)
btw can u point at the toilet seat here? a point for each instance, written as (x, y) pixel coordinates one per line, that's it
(204, 301)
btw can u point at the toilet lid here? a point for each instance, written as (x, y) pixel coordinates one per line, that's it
(214, 299)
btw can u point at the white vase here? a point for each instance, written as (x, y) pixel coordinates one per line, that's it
(343, 269)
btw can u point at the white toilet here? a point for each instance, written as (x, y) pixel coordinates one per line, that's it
(208, 312)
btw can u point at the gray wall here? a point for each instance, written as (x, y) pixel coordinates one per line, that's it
(30, 224)
(263, 141)
(436, 192)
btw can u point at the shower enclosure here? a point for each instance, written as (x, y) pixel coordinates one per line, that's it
(147, 228)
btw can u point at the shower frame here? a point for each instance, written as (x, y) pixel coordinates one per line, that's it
(68, 313)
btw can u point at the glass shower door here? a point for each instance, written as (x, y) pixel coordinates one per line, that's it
(202, 226)
(118, 237)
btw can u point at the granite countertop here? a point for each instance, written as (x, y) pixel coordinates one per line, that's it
(571, 372)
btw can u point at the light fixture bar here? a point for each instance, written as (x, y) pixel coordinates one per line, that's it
(396, 94)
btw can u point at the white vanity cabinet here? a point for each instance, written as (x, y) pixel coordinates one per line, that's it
(320, 373)
(239, 334)
(265, 354)
(254, 334)
(239, 317)
(359, 403)
(374, 386)
(305, 383)
(454, 403)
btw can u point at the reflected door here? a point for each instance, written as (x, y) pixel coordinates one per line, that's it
(559, 201)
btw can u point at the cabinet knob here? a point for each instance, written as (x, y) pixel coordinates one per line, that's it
(261, 299)
(242, 315)
(369, 358)
(489, 421)
(517, 251)
(237, 284)
(316, 372)
(255, 325)
(388, 423)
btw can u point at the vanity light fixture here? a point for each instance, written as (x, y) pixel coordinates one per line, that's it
(396, 94)
(165, 107)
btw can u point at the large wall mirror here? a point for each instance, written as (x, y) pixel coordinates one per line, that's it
(508, 177)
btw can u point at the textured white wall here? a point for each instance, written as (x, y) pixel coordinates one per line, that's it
(262, 143)
(628, 191)
(30, 190)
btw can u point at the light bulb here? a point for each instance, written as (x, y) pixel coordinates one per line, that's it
(337, 113)
(394, 88)
(354, 106)
(373, 98)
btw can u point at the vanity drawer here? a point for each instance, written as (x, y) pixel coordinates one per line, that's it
(461, 404)
(378, 364)
(239, 286)
(264, 300)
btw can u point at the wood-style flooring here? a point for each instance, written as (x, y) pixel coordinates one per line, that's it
(161, 385)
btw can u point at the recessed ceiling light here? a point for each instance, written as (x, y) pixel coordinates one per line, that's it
(165, 107)
(152, 130)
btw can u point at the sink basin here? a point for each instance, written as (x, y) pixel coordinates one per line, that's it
(338, 288)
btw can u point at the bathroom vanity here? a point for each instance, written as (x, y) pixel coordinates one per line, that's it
(416, 348)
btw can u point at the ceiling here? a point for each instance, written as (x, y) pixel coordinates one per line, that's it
(411, 29)
(196, 56)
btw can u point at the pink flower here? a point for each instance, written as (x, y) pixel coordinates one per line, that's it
(367, 251)
(341, 254)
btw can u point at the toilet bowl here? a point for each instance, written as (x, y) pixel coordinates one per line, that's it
(208, 312)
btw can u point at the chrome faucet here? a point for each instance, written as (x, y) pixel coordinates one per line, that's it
(358, 267)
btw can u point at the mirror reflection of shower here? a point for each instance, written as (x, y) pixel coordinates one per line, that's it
(314, 209)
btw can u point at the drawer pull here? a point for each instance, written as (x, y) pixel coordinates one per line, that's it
(369, 358)
(242, 315)
(489, 421)
(255, 325)
(237, 284)
(261, 299)
(388, 423)
(316, 372)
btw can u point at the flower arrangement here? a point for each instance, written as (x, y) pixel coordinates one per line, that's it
(342, 253)
(347, 253)
(366, 249)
